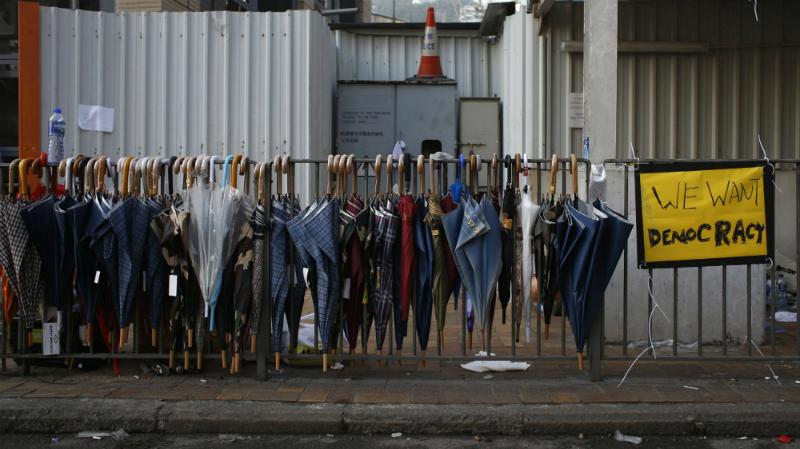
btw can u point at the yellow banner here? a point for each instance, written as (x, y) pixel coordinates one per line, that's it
(703, 214)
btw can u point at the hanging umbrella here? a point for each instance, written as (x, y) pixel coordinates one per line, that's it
(549, 214)
(528, 212)
(440, 282)
(318, 233)
(10, 285)
(259, 224)
(218, 220)
(509, 212)
(424, 252)
(10, 304)
(26, 260)
(355, 216)
(574, 243)
(407, 210)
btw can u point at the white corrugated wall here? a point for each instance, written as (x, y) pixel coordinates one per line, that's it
(185, 84)
(707, 105)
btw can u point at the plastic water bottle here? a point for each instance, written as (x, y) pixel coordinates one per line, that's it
(56, 129)
(780, 293)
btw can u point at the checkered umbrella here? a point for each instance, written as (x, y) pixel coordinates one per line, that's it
(319, 233)
(156, 269)
(440, 280)
(27, 264)
(424, 250)
(387, 225)
(354, 267)
(10, 286)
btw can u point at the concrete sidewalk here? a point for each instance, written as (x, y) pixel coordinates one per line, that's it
(731, 398)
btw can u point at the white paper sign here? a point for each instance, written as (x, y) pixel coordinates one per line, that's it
(173, 285)
(95, 118)
(576, 110)
(50, 341)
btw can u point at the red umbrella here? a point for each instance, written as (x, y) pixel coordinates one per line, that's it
(449, 205)
(408, 209)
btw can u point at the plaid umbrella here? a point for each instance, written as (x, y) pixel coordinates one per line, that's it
(259, 224)
(302, 259)
(27, 265)
(243, 288)
(10, 302)
(440, 280)
(131, 223)
(381, 287)
(318, 233)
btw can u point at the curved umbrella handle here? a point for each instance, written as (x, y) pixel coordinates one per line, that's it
(62, 168)
(82, 171)
(141, 173)
(168, 174)
(473, 167)
(518, 170)
(11, 170)
(132, 178)
(68, 174)
(573, 170)
(100, 171)
(75, 172)
(125, 173)
(345, 175)
(433, 176)
(225, 169)
(329, 170)
(262, 178)
(401, 170)
(553, 174)
(244, 169)
(351, 169)
(212, 169)
(421, 173)
(89, 170)
(186, 168)
(389, 173)
(148, 171)
(36, 169)
(285, 169)
(276, 166)
(157, 175)
(23, 178)
(235, 171)
(378, 173)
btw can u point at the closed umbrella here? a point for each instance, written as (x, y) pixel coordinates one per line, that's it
(259, 223)
(440, 281)
(509, 212)
(26, 260)
(424, 252)
(407, 209)
(528, 212)
(319, 235)
(356, 217)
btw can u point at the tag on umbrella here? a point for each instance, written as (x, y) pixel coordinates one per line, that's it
(173, 285)
(379, 278)
(97, 277)
(346, 293)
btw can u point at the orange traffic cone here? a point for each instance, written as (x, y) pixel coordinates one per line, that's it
(430, 65)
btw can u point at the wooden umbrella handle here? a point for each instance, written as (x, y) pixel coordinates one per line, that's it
(276, 167)
(473, 167)
(378, 173)
(494, 171)
(244, 169)
(335, 169)
(421, 173)
(518, 165)
(235, 171)
(573, 170)
(553, 174)
(389, 167)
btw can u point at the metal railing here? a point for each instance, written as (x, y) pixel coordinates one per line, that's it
(538, 350)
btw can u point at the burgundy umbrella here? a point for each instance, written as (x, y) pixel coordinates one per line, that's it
(408, 209)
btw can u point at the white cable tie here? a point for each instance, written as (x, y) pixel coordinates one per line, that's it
(771, 263)
(755, 9)
(635, 167)
(649, 328)
(769, 163)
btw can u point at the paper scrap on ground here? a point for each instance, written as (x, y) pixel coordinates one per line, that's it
(786, 317)
(483, 367)
(95, 118)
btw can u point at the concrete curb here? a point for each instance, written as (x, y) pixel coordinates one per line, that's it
(247, 417)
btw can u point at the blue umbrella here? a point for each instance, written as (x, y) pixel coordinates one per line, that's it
(479, 246)
(423, 245)
(575, 240)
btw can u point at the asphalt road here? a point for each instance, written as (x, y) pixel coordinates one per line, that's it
(372, 442)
